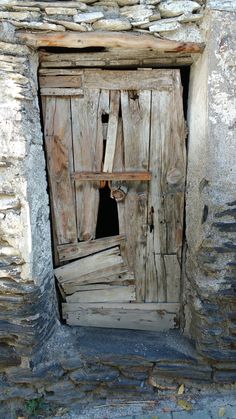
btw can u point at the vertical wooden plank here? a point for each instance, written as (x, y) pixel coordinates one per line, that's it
(136, 128)
(88, 149)
(166, 191)
(112, 131)
(172, 272)
(59, 161)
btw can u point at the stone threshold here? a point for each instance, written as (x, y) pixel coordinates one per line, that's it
(80, 364)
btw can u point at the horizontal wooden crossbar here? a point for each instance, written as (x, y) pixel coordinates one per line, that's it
(97, 176)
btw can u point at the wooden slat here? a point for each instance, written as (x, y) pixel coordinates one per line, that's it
(173, 272)
(91, 264)
(88, 151)
(126, 176)
(56, 64)
(136, 124)
(105, 295)
(59, 161)
(166, 193)
(128, 80)
(61, 81)
(82, 249)
(57, 91)
(155, 317)
(110, 276)
(112, 131)
(107, 39)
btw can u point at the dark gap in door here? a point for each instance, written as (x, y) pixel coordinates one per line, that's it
(107, 221)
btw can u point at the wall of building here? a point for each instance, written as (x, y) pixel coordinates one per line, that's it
(27, 297)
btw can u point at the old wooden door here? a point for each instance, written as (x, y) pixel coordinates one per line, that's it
(125, 128)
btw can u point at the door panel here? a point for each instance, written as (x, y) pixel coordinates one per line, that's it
(125, 128)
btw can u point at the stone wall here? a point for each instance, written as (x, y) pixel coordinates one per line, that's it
(171, 19)
(211, 204)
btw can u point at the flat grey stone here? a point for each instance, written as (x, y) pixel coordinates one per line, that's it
(88, 17)
(172, 8)
(117, 24)
(197, 414)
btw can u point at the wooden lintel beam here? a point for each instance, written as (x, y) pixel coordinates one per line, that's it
(98, 176)
(132, 40)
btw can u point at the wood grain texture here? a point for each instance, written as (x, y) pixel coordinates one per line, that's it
(59, 162)
(111, 135)
(82, 249)
(136, 128)
(61, 91)
(155, 317)
(88, 150)
(56, 64)
(112, 294)
(60, 81)
(127, 80)
(119, 176)
(108, 40)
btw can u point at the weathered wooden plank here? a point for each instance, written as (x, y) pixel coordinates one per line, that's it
(60, 81)
(82, 249)
(126, 176)
(60, 91)
(111, 57)
(110, 294)
(111, 276)
(58, 71)
(127, 80)
(166, 191)
(155, 317)
(136, 126)
(112, 131)
(173, 272)
(129, 40)
(88, 151)
(59, 161)
(82, 267)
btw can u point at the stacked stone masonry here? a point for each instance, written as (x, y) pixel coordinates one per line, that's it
(28, 315)
(175, 20)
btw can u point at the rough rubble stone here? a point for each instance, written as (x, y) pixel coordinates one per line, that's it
(187, 33)
(163, 26)
(60, 11)
(117, 24)
(137, 13)
(88, 17)
(19, 15)
(171, 8)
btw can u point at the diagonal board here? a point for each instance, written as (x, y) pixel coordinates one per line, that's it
(59, 162)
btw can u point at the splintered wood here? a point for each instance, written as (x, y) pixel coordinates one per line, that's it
(125, 128)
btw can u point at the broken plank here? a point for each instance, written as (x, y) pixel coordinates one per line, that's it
(82, 267)
(107, 40)
(115, 275)
(112, 131)
(86, 248)
(126, 176)
(109, 294)
(60, 81)
(58, 91)
(154, 317)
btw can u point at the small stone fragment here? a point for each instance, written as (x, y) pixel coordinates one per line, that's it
(72, 26)
(60, 11)
(88, 17)
(137, 13)
(163, 26)
(118, 24)
(127, 2)
(19, 16)
(172, 8)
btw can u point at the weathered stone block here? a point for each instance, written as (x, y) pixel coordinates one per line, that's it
(60, 11)
(102, 374)
(88, 17)
(171, 8)
(116, 24)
